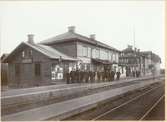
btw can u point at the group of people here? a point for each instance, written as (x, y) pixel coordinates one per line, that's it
(133, 73)
(79, 76)
(136, 73)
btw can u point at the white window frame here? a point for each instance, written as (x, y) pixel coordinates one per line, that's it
(97, 53)
(23, 54)
(84, 51)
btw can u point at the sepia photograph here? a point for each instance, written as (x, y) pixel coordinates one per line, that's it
(82, 60)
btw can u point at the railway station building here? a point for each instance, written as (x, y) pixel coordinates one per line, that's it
(34, 64)
(46, 62)
(91, 54)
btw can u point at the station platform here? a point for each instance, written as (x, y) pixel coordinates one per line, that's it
(41, 89)
(68, 108)
(28, 98)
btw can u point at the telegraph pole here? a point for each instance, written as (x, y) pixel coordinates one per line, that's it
(135, 62)
(134, 36)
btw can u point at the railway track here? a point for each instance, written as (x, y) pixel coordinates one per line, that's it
(129, 102)
(154, 106)
(135, 106)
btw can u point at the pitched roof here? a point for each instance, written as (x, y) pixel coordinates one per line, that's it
(50, 52)
(72, 35)
(46, 50)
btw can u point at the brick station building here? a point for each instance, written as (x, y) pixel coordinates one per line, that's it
(32, 64)
(91, 54)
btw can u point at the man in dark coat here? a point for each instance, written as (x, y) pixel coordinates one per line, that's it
(127, 73)
(98, 76)
(86, 76)
(133, 72)
(93, 75)
(136, 73)
(103, 76)
(113, 74)
(68, 77)
(139, 73)
(110, 76)
(118, 75)
(77, 76)
(71, 76)
(81, 76)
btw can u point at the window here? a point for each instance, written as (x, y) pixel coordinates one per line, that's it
(56, 72)
(103, 54)
(114, 57)
(29, 53)
(17, 69)
(107, 55)
(37, 69)
(122, 70)
(23, 54)
(97, 53)
(89, 52)
(84, 51)
(26, 53)
(79, 50)
(111, 58)
(93, 53)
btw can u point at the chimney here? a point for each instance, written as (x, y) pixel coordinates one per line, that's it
(130, 46)
(135, 49)
(71, 29)
(93, 36)
(30, 38)
(138, 50)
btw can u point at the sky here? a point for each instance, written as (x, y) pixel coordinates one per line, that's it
(113, 22)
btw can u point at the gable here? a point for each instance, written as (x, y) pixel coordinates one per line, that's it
(25, 53)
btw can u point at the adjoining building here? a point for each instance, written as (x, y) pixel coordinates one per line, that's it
(32, 64)
(152, 62)
(145, 62)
